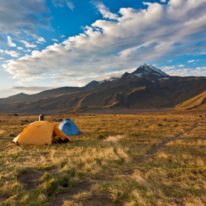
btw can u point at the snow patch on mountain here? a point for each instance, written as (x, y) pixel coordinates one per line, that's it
(149, 70)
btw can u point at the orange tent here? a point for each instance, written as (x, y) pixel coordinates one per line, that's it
(40, 133)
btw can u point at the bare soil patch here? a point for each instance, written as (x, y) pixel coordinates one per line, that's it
(99, 200)
(67, 196)
(3, 197)
(30, 178)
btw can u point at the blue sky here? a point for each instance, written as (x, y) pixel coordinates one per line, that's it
(53, 43)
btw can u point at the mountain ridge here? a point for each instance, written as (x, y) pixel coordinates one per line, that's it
(145, 88)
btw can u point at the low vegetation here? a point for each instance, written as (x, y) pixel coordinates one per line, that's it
(197, 102)
(142, 159)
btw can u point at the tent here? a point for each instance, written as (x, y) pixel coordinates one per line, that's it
(69, 128)
(40, 133)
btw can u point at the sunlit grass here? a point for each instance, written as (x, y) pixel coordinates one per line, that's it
(107, 164)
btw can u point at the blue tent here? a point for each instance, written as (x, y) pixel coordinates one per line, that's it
(69, 128)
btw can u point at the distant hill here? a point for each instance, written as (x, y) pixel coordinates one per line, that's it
(15, 98)
(197, 102)
(19, 98)
(145, 88)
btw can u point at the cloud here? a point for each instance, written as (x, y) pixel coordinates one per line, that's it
(27, 44)
(106, 13)
(70, 4)
(10, 42)
(31, 89)
(163, 1)
(55, 40)
(19, 48)
(10, 53)
(105, 47)
(28, 90)
(192, 61)
(6, 92)
(184, 71)
(22, 15)
(41, 40)
(62, 3)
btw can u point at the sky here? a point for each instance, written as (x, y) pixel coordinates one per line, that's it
(52, 43)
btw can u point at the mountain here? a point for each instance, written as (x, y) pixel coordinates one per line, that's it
(16, 98)
(197, 102)
(145, 88)
(92, 85)
(19, 98)
(149, 72)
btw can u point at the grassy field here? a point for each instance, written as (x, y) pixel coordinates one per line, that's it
(143, 159)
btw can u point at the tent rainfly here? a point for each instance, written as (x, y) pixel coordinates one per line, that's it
(69, 128)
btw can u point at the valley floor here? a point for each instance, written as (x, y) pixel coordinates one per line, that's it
(142, 159)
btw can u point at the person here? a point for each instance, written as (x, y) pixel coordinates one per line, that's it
(41, 117)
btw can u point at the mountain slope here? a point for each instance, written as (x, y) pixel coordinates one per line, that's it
(145, 88)
(197, 102)
(19, 98)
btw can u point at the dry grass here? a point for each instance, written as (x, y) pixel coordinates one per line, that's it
(112, 163)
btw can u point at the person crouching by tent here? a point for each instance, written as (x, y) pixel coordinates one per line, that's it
(41, 117)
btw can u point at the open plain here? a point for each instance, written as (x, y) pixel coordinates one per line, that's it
(140, 159)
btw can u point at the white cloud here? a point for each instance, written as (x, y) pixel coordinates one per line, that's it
(19, 48)
(31, 89)
(55, 40)
(184, 71)
(41, 39)
(106, 13)
(192, 61)
(6, 92)
(28, 44)
(163, 1)
(62, 3)
(106, 47)
(10, 53)
(70, 4)
(10, 42)
(181, 65)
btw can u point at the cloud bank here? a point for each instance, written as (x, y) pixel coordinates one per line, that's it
(30, 89)
(17, 14)
(119, 42)
(184, 71)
